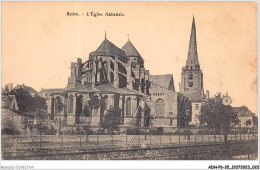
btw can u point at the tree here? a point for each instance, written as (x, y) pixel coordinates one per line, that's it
(11, 123)
(24, 100)
(111, 119)
(5, 91)
(42, 116)
(87, 110)
(183, 106)
(59, 108)
(93, 102)
(215, 114)
(28, 103)
(147, 116)
(39, 102)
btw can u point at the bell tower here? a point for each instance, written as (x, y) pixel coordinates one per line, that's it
(192, 76)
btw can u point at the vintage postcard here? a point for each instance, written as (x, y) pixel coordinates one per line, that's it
(130, 81)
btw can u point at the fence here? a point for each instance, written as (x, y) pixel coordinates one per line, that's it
(22, 145)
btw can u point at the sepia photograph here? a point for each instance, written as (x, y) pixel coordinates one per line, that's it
(130, 81)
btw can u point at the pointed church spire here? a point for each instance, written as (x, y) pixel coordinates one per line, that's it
(193, 31)
(192, 61)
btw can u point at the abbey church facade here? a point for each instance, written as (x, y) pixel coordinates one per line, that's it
(116, 78)
(113, 77)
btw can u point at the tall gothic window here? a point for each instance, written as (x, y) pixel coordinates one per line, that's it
(105, 69)
(128, 107)
(57, 102)
(70, 104)
(88, 77)
(106, 107)
(98, 76)
(159, 107)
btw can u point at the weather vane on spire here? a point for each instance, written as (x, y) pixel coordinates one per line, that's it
(128, 36)
(105, 35)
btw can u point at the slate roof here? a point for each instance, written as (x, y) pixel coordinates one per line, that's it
(162, 80)
(82, 88)
(243, 111)
(108, 48)
(26, 88)
(57, 90)
(130, 50)
(104, 88)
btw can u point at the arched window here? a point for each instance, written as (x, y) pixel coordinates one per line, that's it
(128, 107)
(105, 69)
(159, 107)
(98, 76)
(112, 76)
(70, 104)
(84, 79)
(58, 104)
(78, 109)
(79, 104)
(106, 107)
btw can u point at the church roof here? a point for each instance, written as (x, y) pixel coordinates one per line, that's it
(108, 48)
(130, 50)
(57, 90)
(104, 88)
(165, 81)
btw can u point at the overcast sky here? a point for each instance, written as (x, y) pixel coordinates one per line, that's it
(39, 41)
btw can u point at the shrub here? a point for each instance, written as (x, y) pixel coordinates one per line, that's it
(48, 131)
(156, 131)
(111, 120)
(133, 131)
(88, 130)
(101, 132)
(206, 132)
(7, 131)
(168, 133)
(183, 132)
(192, 126)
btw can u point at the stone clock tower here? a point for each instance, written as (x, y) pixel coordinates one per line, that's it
(192, 76)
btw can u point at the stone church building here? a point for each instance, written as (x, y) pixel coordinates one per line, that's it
(113, 77)
(117, 78)
(166, 104)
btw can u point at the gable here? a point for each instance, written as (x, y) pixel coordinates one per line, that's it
(165, 81)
